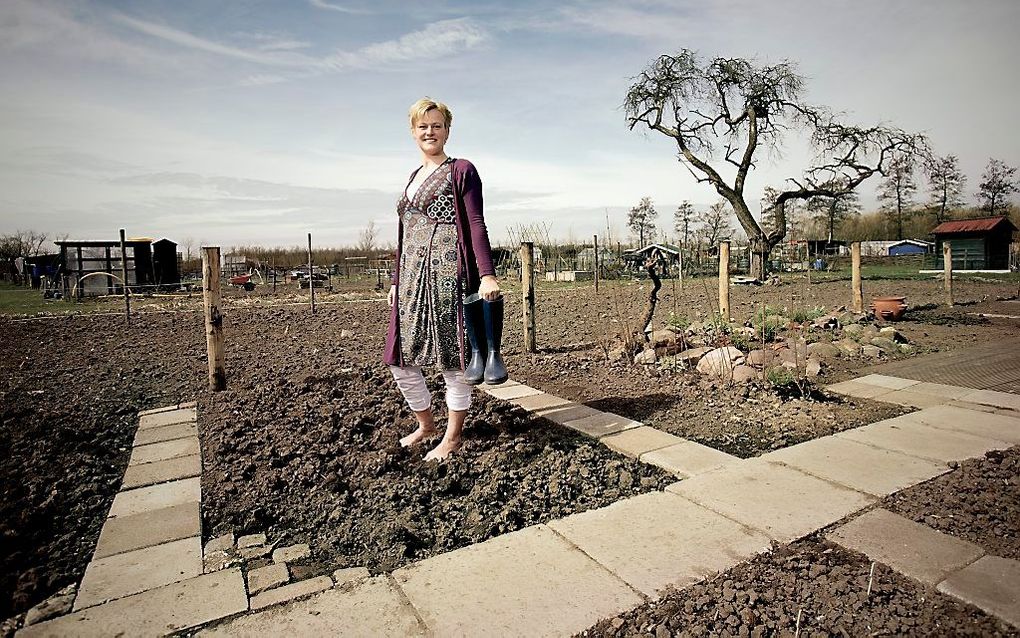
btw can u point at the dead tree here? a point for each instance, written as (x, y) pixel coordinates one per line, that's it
(651, 264)
(721, 114)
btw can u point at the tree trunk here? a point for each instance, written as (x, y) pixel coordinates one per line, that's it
(760, 250)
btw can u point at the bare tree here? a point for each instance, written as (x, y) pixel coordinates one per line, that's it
(896, 192)
(833, 211)
(945, 184)
(641, 220)
(367, 238)
(714, 223)
(721, 113)
(998, 182)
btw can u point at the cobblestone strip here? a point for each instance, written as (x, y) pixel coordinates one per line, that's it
(678, 456)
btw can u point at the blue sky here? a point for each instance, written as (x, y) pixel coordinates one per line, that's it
(258, 121)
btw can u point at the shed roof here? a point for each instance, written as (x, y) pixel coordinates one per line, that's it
(977, 225)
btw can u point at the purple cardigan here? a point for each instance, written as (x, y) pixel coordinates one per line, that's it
(474, 260)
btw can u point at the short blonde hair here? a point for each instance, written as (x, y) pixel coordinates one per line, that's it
(426, 104)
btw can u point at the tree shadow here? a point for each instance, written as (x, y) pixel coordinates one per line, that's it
(637, 408)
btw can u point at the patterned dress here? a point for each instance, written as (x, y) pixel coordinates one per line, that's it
(429, 290)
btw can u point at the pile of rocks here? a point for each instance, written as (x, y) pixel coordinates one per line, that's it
(708, 347)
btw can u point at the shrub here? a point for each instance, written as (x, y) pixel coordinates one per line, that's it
(803, 315)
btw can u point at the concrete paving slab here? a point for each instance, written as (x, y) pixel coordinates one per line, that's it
(995, 399)
(637, 441)
(991, 584)
(912, 399)
(905, 434)
(167, 418)
(860, 390)
(188, 404)
(886, 381)
(687, 458)
(165, 433)
(530, 582)
(978, 423)
(157, 612)
(164, 450)
(126, 533)
(373, 608)
(940, 390)
(290, 592)
(154, 497)
(659, 539)
(562, 414)
(539, 401)
(139, 570)
(165, 408)
(173, 469)
(858, 466)
(512, 392)
(267, 577)
(777, 500)
(908, 547)
(602, 424)
(506, 384)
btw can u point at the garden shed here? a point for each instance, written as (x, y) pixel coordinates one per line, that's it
(978, 244)
(93, 267)
(910, 247)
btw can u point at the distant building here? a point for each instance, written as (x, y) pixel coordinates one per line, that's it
(978, 244)
(93, 267)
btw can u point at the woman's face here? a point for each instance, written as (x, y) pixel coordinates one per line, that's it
(431, 133)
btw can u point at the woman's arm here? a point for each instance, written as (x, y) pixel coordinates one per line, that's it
(472, 196)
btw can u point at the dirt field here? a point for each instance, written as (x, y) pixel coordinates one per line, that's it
(303, 443)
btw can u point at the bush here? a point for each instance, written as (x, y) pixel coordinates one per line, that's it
(803, 315)
(766, 324)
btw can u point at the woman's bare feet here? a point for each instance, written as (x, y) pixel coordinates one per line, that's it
(418, 436)
(443, 450)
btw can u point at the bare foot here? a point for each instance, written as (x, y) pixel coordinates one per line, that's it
(443, 450)
(417, 436)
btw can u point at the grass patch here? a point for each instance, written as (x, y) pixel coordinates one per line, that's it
(18, 301)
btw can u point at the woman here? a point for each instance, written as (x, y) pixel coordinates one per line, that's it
(443, 256)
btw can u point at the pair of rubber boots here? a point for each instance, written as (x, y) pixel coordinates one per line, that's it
(484, 323)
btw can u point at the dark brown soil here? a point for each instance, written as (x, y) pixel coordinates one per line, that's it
(978, 501)
(304, 400)
(817, 582)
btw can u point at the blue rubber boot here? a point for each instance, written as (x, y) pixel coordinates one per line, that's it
(474, 320)
(495, 369)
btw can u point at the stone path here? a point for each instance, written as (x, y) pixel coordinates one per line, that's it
(561, 577)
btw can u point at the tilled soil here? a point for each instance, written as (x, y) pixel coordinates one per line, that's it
(809, 588)
(978, 501)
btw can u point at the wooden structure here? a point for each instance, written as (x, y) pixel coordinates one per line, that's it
(978, 244)
(166, 264)
(93, 267)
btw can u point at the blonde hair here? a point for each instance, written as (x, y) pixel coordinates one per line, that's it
(426, 104)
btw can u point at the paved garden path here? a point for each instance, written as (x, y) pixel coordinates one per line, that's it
(561, 577)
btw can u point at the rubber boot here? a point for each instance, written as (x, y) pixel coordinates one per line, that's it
(495, 369)
(474, 324)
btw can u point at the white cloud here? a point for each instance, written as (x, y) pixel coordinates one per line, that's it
(332, 6)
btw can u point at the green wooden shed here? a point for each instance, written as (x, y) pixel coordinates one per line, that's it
(978, 244)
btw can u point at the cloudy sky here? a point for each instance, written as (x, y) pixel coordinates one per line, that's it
(257, 121)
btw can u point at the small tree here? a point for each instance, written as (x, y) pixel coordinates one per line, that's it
(945, 184)
(714, 223)
(641, 220)
(721, 114)
(833, 211)
(896, 191)
(367, 238)
(998, 182)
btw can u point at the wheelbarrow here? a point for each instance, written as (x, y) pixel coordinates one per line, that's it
(243, 281)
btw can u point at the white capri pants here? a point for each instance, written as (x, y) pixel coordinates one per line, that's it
(411, 382)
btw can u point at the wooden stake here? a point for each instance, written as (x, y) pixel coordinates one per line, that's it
(528, 292)
(724, 280)
(311, 272)
(213, 317)
(947, 260)
(595, 243)
(123, 277)
(855, 277)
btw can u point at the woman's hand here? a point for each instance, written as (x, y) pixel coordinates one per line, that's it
(391, 296)
(489, 288)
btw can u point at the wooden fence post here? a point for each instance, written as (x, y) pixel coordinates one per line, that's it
(595, 243)
(311, 272)
(947, 261)
(123, 277)
(724, 280)
(855, 276)
(528, 293)
(213, 317)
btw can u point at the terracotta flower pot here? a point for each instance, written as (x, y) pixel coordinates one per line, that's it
(889, 308)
